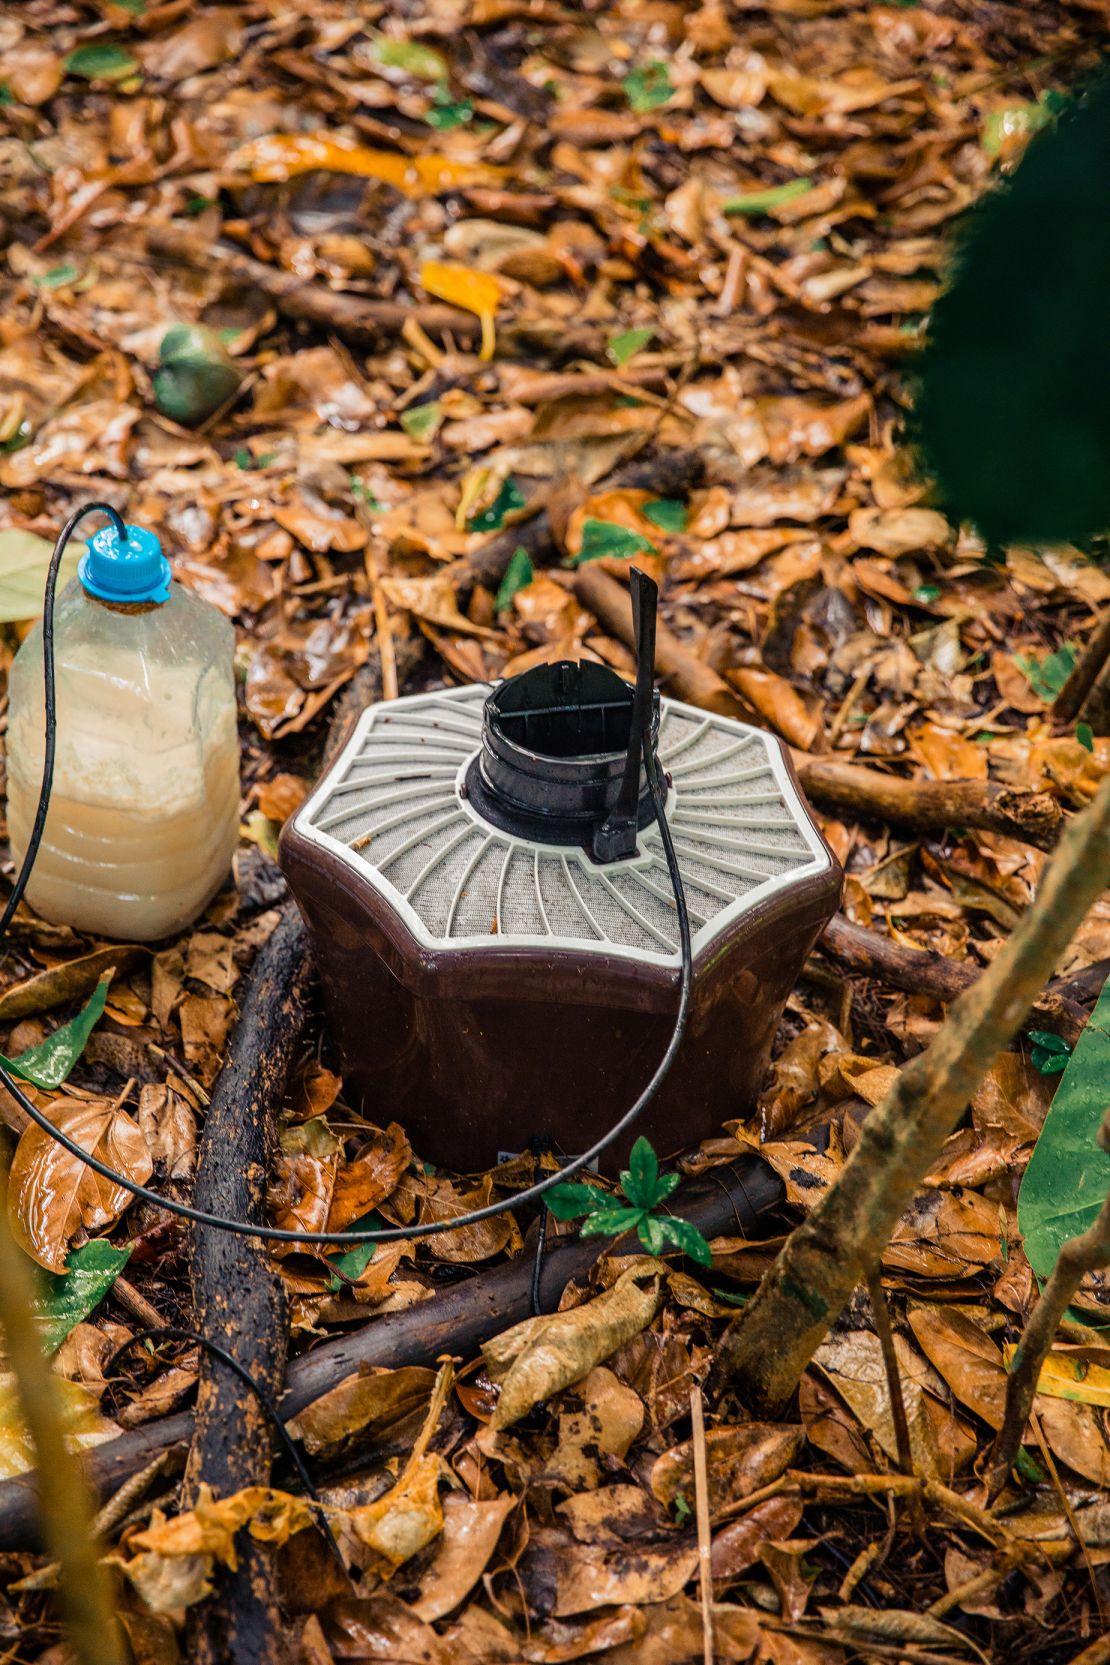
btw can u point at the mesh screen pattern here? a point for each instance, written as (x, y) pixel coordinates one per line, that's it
(391, 808)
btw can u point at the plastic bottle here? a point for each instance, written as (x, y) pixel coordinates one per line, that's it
(144, 813)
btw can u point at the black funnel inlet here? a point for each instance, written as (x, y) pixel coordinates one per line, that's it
(555, 743)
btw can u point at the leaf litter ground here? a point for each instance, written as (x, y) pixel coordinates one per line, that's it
(446, 271)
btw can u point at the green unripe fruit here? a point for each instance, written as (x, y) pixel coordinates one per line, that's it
(196, 374)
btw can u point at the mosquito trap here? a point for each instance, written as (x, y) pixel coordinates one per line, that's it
(494, 919)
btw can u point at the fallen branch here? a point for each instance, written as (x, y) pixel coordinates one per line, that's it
(728, 1199)
(238, 1297)
(914, 805)
(675, 662)
(921, 806)
(923, 971)
(237, 1294)
(1080, 1255)
(1084, 674)
(359, 319)
(767, 1347)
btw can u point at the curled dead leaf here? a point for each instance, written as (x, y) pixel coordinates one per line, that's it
(542, 1356)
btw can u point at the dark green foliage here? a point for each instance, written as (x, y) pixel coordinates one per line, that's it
(645, 1189)
(1014, 410)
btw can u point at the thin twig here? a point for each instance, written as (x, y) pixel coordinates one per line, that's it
(701, 1513)
(1084, 673)
(880, 1311)
(1080, 1255)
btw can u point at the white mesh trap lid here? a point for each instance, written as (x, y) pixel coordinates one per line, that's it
(391, 807)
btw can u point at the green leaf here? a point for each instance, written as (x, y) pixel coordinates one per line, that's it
(1047, 676)
(570, 1199)
(605, 537)
(1029, 1468)
(1017, 436)
(685, 1237)
(927, 592)
(611, 1221)
(647, 88)
(101, 61)
(638, 1181)
(57, 277)
(650, 1233)
(68, 1297)
(48, 1063)
(1049, 1063)
(518, 574)
(354, 1261)
(410, 55)
(423, 422)
(509, 499)
(447, 113)
(1045, 1039)
(1068, 1176)
(1085, 734)
(24, 559)
(668, 513)
(762, 202)
(682, 1509)
(623, 347)
(733, 1297)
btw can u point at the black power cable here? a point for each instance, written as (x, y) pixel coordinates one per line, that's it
(339, 1239)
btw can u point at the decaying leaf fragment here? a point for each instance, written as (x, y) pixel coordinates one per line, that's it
(541, 1356)
(173, 1566)
(410, 1514)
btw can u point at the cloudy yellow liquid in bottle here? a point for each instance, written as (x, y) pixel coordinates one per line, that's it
(143, 818)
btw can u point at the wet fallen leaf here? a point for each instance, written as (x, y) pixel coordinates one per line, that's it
(82, 1424)
(52, 1195)
(539, 1357)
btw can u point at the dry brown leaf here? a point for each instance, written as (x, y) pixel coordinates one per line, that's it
(82, 1424)
(542, 1356)
(68, 980)
(370, 1405)
(740, 1460)
(899, 531)
(52, 1196)
(409, 1515)
(470, 1533)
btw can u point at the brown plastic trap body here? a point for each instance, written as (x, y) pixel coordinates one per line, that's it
(489, 981)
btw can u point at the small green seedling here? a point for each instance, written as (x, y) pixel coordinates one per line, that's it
(1050, 1052)
(644, 1189)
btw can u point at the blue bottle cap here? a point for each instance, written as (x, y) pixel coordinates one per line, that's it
(126, 572)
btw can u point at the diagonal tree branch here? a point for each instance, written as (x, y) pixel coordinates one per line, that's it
(768, 1346)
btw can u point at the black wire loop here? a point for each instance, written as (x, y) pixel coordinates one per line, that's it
(174, 1332)
(337, 1239)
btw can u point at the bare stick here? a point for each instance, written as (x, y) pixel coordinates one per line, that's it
(701, 1510)
(768, 1345)
(1084, 673)
(931, 805)
(880, 1311)
(1082, 1254)
(916, 805)
(923, 971)
(63, 1497)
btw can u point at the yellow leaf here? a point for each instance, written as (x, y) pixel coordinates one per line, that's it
(82, 1424)
(542, 1356)
(210, 1527)
(1066, 1376)
(280, 156)
(474, 291)
(410, 1515)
